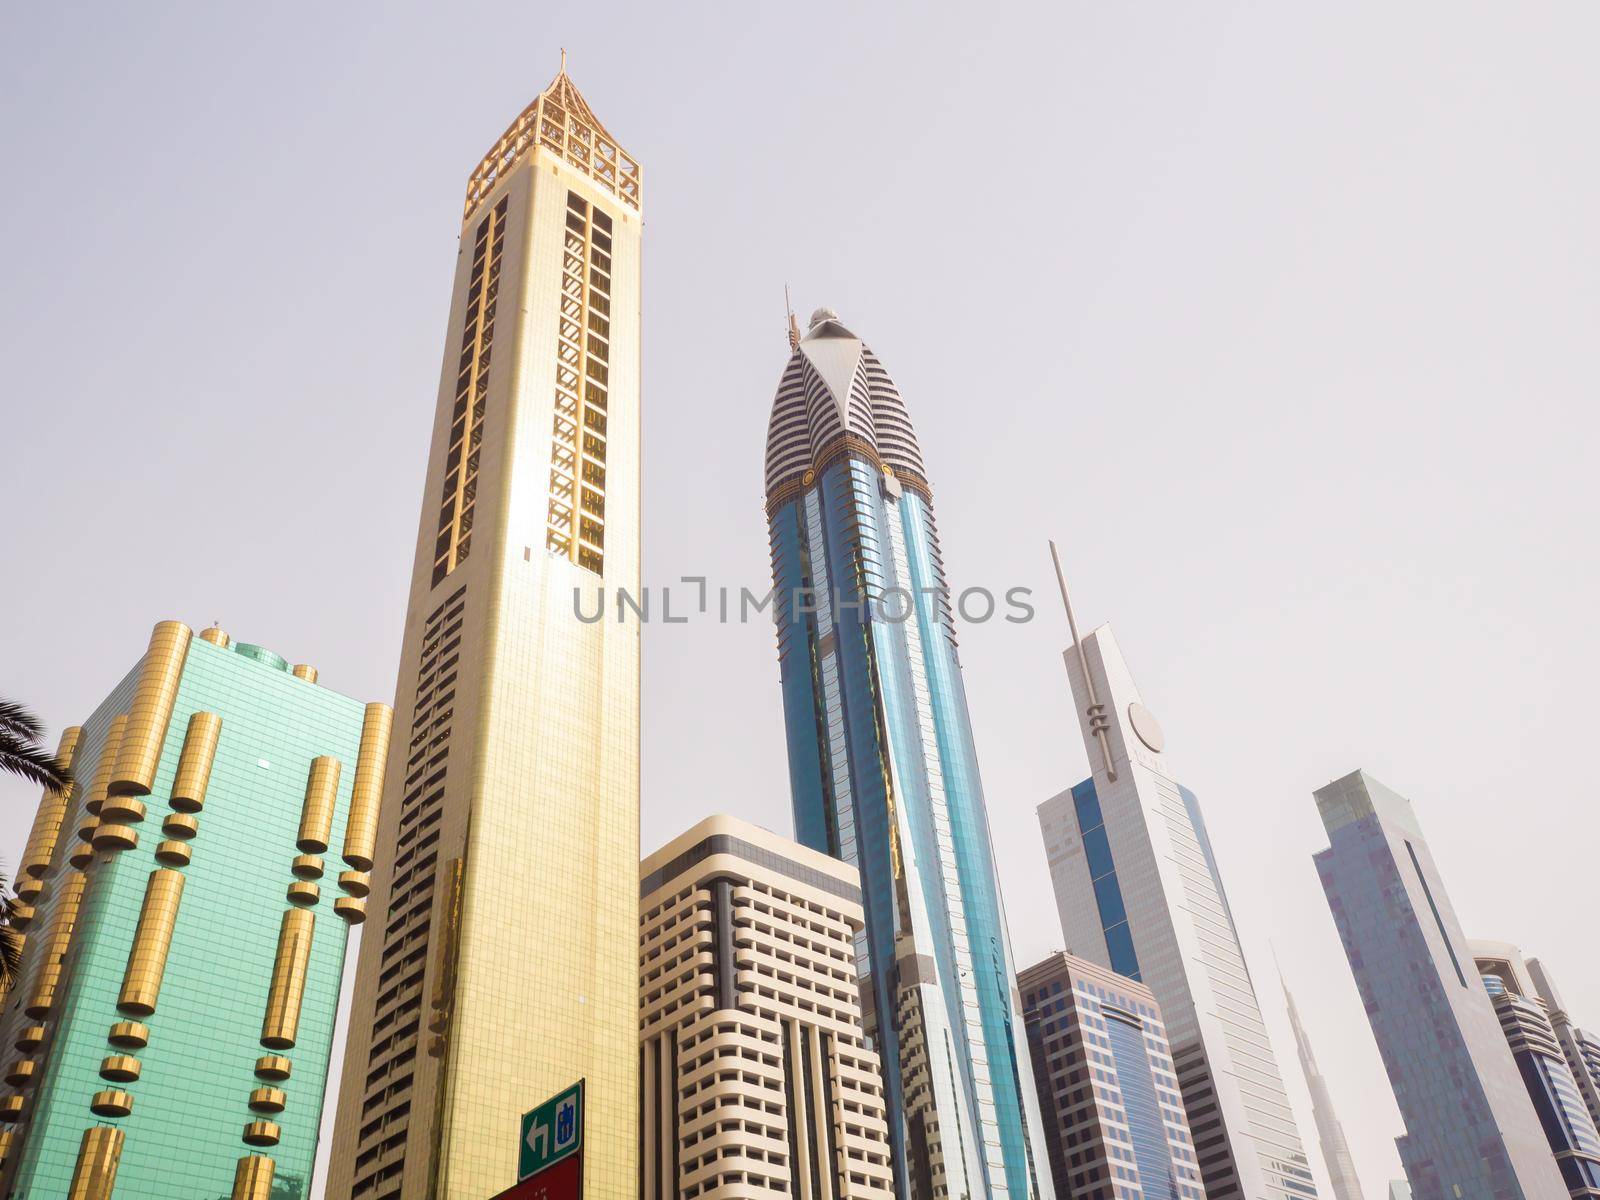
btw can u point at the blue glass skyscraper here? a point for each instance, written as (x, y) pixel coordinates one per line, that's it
(883, 771)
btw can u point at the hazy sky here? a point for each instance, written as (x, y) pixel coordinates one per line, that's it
(1279, 318)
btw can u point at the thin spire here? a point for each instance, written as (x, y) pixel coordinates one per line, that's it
(563, 60)
(1096, 711)
(794, 326)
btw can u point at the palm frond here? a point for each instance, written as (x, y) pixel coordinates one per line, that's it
(20, 721)
(24, 758)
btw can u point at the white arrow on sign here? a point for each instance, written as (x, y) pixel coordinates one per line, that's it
(538, 1138)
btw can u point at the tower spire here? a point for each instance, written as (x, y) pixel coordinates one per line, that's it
(1096, 711)
(794, 326)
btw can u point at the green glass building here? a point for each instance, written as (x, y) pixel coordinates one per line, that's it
(186, 905)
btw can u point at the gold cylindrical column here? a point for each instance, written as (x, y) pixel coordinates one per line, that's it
(98, 1155)
(120, 1068)
(361, 830)
(216, 637)
(262, 1133)
(194, 764)
(47, 820)
(29, 1037)
(357, 883)
(273, 1066)
(305, 671)
(289, 968)
(129, 1035)
(252, 1180)
(114, 837)
(151, 709)
(56, 943)
(174, 853)
(267, 1100)
(147, 961)
(352, 908)
(180, 825)
(113, 1102)
(303, 892)
(306, 866)
(106, 767)
(316, 814)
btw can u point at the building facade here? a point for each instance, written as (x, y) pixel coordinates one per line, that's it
(499, 970)
(756, 1077)
(1557, 1099)
(1470, 1129)
(883, 772)
(1336, 1156)
(1581, 1048)
(1113, 1116)
(1138, 891)
(188, 902)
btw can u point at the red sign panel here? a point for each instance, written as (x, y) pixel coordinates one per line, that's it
(559, 1181)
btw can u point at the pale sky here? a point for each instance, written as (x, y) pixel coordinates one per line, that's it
(1279, 318)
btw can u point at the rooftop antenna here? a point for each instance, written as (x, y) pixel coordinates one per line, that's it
(794, 326)
(563, 60)
(1096, 711)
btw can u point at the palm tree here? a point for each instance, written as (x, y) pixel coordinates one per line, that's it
(21, 754)
(20, 751)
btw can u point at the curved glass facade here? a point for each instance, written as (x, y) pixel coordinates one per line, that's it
(884, 775)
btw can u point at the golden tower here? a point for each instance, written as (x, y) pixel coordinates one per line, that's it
(498, 966)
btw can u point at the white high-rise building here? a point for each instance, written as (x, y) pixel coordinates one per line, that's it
(1138, 890)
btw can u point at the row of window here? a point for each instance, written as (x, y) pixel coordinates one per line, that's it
(575, 520)
(457, 505)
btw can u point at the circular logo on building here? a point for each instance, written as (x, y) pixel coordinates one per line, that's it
(1146, 726)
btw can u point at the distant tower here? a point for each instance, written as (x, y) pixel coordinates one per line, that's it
(1557, 1098)
(503, 971)
(1470, 1130)
(1129, 1130)
(1330, 1134)
(188, 900)
(746, 942)
(1138, 891)
(884, 774)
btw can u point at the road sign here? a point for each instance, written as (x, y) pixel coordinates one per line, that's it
(561, 1180)
(551, 1132)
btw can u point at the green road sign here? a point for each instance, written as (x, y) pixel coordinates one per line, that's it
(552, 1131)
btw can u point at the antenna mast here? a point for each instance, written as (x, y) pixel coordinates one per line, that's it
(1096, 711)
(794, 326)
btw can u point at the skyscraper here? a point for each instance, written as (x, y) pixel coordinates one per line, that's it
(1113, 1117)
(170, 1032)
(1581, 1048)
(1557, 1100)
(1470, 1130)
(755, 1072)
(1138, 891)
(1330, 1133)
(883, 772)
(500, 969)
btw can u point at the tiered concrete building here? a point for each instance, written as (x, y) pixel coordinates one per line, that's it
(499, 968)
(755, 1072)
(1113, 1117)
(188, 901)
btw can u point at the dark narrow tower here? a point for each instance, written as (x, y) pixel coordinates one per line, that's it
(883, 771)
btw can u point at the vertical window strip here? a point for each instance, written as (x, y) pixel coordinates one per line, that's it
(472, 390)
(575, 519)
